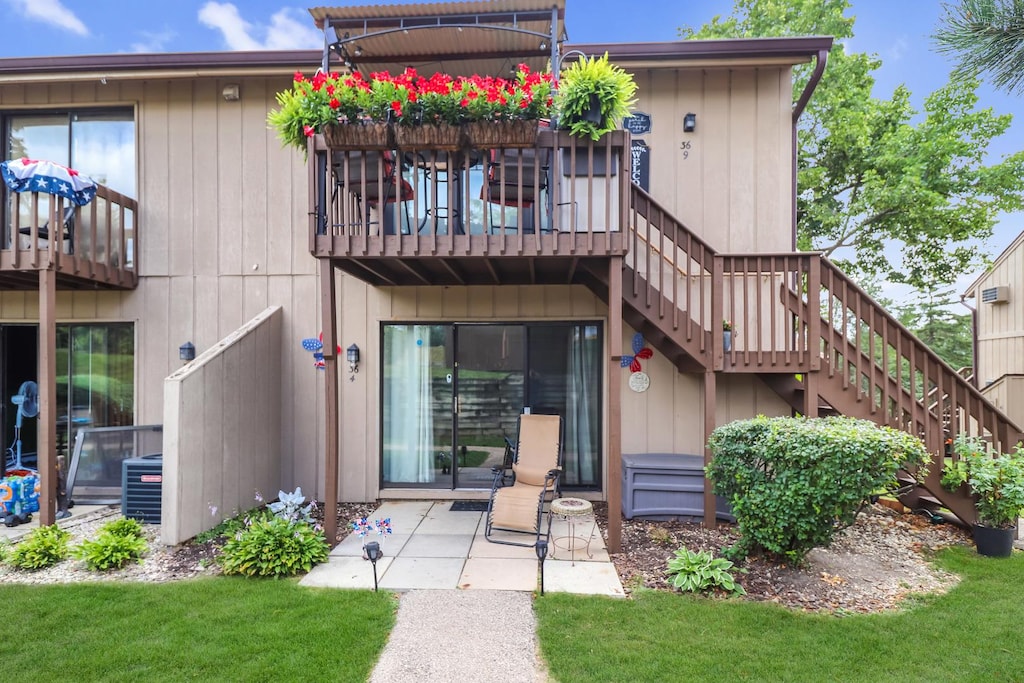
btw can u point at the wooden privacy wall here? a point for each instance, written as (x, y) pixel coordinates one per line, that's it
(222, 431)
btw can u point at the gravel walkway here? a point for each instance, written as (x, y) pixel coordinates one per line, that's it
(452, 635)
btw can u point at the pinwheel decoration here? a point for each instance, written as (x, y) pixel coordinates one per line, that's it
(640, 352)
(315, 346)
(381, 527)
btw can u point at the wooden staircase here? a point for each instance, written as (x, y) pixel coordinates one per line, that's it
(806, 330)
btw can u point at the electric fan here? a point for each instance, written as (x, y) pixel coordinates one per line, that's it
(27, 400)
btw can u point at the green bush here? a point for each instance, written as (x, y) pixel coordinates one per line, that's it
(698, 572)
(273, 547)
(232, 526)
(126, 527)
(793, 482)
(110, 550)
(43, 547)
(996, 479)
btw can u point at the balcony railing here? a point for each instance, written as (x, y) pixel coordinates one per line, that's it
(91, 245)
(562, 197)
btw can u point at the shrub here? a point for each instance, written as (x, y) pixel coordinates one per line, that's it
(289, 506)
(793, 482)
(129, 528)
(698, 572)
(111, 550)
(997, 479)
(273, 547)
(42, 547)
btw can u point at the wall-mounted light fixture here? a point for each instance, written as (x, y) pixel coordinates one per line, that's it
(187, 352)
(231, 92)
(689, 123)
(352, 355)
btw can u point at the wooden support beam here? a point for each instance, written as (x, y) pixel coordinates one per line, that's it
(332, 413)
(614, 405)
(710, 391)
(47, 422)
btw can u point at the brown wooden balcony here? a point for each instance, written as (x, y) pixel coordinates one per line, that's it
(93, 246)
(532, 215)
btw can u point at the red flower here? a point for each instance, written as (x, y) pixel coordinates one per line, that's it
(310, 131)
(334, 103)
(396, 107)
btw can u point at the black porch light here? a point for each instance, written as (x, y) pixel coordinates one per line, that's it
(352, 355)
(689, 122)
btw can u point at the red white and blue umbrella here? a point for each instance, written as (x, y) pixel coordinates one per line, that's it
(32, 175)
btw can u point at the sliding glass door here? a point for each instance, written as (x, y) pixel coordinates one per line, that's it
(452, 393)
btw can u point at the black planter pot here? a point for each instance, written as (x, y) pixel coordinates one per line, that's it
(993, 542)
(593, 112)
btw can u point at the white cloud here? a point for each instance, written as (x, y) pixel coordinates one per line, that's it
(285, 32)
(50, 12)
(153, 41)
(898, 49)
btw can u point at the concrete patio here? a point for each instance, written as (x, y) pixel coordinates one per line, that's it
(432, 547)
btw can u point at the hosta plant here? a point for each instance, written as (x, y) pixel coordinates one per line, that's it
(696, 572)
(111, 549)
(42, 547)
(274, 547)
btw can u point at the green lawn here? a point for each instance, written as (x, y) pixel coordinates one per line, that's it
(220, 629)
(971, 634)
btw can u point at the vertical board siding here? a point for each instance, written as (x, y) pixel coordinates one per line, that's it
(1001, 325)
(214, 435)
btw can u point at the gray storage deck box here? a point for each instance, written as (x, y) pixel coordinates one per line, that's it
(664, 486)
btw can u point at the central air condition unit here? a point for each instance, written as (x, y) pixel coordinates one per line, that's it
(995, 295)
(141, 485)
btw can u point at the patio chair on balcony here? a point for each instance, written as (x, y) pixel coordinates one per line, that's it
(370, 180)
(516, 179)
(44, 230)
(518, 506)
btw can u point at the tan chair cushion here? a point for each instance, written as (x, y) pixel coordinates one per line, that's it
(537, 453)
(515, 507)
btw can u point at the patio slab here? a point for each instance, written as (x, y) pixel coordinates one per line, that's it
(584, 578)
(438, 545)
(345, 572)
(409, 573)
(352, 545)
(499, 574)
(483, 548)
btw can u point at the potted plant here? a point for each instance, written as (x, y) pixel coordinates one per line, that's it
(727, 335)
(997, 481)
(592, 97)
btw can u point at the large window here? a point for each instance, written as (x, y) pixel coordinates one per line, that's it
(452, 393)
(98, 143)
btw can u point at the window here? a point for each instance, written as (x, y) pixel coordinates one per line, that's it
(98, 143)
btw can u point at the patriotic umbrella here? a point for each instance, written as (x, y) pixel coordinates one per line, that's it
(31, 175)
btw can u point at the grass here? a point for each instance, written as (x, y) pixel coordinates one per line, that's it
(218, 629)
(970, 634)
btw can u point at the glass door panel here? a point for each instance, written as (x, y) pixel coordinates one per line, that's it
(418, 396)
(490, 361)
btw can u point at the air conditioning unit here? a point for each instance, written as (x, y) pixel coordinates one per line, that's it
(141, 484)
(995, 295)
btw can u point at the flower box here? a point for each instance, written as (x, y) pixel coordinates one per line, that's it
(358, 136)
(496, 134)
(442, 136)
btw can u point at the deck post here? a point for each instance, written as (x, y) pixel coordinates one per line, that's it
(614, 405)
(810, 394)
(47, 422)
(330, 336)
(710, 390)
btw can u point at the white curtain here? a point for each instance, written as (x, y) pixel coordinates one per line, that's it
(408, 405)
(580, 410)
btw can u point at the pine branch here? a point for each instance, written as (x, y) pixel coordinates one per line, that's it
(986, 37)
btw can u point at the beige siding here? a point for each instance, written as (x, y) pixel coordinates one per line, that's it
(1007, 394)
(1001, 325)
(666, 418)
(733, 185)
(219, 450)
(222, 236)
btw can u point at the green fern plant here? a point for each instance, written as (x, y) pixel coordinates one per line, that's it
(696, 572)
(593, 96)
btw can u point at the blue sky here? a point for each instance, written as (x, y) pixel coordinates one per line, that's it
(897, 31)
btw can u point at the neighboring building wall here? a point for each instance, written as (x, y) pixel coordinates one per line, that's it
(733, 186)
(223, 234)
(1007, 394)
(1001, 325)
(221, 426)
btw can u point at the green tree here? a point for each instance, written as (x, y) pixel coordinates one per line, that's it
(875, 177)
(986, 37)
(949, 334)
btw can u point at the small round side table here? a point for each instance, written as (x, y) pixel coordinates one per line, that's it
(573, 511)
